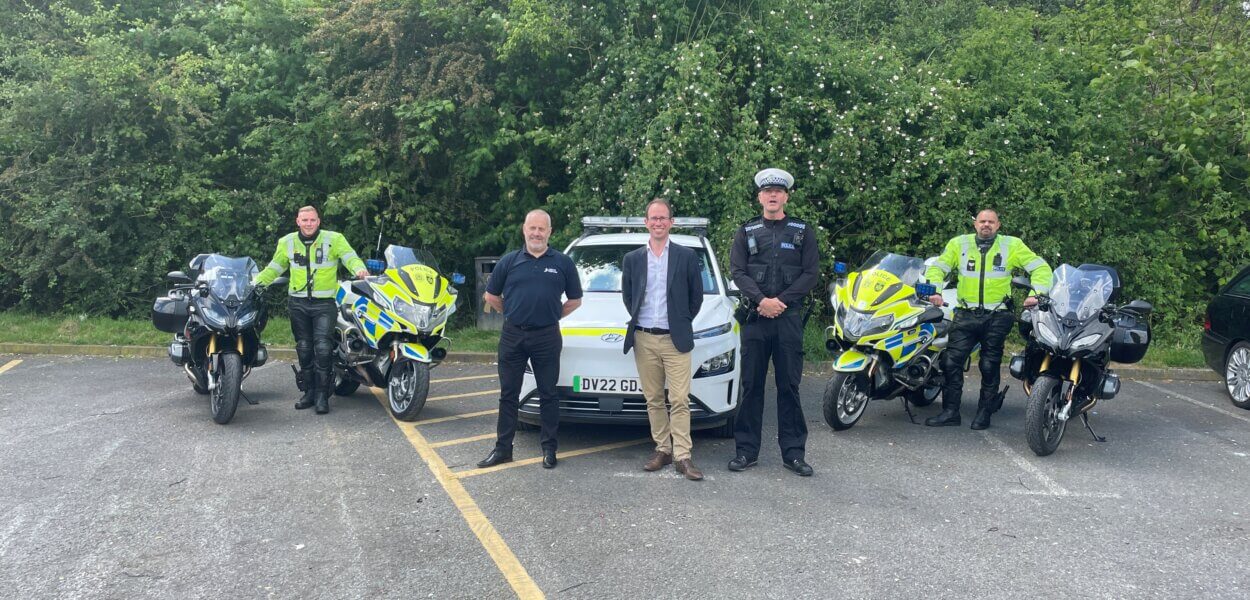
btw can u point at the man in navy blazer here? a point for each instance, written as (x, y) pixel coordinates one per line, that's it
(663, 291)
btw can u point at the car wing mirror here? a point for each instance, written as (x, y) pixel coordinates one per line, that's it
(731, 289)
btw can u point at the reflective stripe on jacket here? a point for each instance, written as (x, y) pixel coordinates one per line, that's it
(314, 266)
(984, 279)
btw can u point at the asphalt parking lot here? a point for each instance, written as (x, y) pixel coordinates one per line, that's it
(115, 483)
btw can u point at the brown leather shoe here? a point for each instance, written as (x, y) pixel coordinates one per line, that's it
(687, 468)
(657, 462)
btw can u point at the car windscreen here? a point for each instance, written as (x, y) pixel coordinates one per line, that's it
(600, 267)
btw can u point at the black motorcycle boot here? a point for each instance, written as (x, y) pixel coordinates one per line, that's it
(948, 416)
(982, 420)
(303, 381)
(323, 391)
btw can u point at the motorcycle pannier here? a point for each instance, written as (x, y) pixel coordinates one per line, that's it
(169, 314)
(1130, 338)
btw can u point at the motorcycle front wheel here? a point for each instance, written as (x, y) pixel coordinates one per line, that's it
(407, 389)
(224, 399)
(1042, 423)
(846, 397)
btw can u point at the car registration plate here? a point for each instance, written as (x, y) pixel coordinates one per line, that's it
(607, 385)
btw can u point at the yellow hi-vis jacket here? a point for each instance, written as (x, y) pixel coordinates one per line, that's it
(314, 266)
(985, 277)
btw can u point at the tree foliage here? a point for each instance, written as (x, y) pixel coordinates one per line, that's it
(136, 134)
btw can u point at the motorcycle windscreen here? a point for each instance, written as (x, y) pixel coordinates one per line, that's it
(1079, 293)
(884, 278)
(229, 279)
(401, 256)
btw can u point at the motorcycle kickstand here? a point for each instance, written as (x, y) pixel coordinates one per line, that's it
(907, 407)
(1085, 419)
(249, 400)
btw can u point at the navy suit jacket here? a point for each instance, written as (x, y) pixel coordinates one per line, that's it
(684, 288)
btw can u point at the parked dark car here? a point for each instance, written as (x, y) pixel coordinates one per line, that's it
(1226, 337)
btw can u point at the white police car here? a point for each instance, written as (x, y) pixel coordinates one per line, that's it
(599, 384)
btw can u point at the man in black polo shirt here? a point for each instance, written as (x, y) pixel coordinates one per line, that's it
(526, 286)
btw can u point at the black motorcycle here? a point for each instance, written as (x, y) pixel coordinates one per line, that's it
(1071, 337)
(216, 316)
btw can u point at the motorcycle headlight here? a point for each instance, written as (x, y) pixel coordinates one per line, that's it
(858, 324)
(417, 314)
(247, 317)
(1045, 334)
(214, 315)
(1086, 341)
(717, 365)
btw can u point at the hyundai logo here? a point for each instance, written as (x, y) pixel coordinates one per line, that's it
(612, 337)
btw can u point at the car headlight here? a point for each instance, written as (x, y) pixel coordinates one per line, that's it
(417, 314)
(713, 331)
(717, 365)
(1085, 341)
(1045, 334)
(859, 324)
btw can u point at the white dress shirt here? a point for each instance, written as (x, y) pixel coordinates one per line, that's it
(654, 311)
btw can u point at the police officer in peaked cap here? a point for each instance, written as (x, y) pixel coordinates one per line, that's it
(775, 263)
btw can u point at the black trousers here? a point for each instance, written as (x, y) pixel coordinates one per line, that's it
(312, 324)
(541, 349)
(781, 341)
(990, 329)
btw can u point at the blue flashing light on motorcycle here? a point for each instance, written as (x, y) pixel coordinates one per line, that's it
(375, 266)
(457, 279)
(839, 268)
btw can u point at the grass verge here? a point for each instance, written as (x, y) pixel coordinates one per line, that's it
(21, 327)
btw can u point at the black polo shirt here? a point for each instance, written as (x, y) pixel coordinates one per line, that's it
(531, 287)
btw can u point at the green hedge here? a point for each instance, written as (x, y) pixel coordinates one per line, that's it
(136, 134)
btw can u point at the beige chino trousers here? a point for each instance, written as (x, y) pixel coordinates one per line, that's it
(659, 363)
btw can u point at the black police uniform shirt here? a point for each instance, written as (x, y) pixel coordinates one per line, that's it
(531, 286)
(789, 246)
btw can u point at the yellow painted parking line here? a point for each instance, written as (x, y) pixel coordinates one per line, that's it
(466, 395)
(505, 560)
(10, 364)
(476, 438)
(455, 417)
(538, 459)
(469, 378)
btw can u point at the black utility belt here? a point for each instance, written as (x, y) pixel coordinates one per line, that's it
(530, 327)
(652, 330)
(983, 311)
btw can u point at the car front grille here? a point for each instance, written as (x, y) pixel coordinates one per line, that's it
(589, 405)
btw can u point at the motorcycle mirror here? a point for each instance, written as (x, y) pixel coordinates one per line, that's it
(281, 281)
(457, 279)
(1021, 282)
(1139, 306)
(178, 277)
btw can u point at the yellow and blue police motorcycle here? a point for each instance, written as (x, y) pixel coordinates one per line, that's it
(390, 326)
(885, 338)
